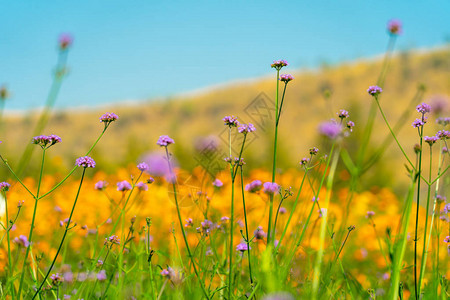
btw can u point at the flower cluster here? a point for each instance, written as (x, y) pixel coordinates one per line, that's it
(278, 64)
(423, 108)
(443, 121)
(142, 166)
(142, 186)
(431, 139)
(46, 141)
(22, 240)
(100, 185)
(313, 150)
(254, 186)
(56, 279)
(114, 239)
(394, 27)
(342, 114)
(286, 78)
(242, 247)
(231, 121)
(4, 186)
(108, 118)
(217, 183)
(443, 134)
(164, 141)
(418, 122)
(123, 186)
(374, 90)
(350, 125)
(65, 41)
(85, 162)
(304, 161)
(259, 233)
(270, 188)
(246, 128)
(330, 129)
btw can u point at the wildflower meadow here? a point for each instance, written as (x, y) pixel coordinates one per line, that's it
(233, 224)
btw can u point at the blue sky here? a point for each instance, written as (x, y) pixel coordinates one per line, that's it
(144, 49)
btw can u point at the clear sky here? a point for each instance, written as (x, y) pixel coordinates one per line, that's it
(143, 49)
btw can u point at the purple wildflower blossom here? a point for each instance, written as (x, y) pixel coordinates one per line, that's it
(253, 186)
(443, 121)
(142, 186)
(231, 121)
(113, 239)
(440, 198)
(22, 240)
(270, 187)
(143, 166)
(164, 141)
(242, 247)
(278, 64)
(85, 162)
(283, 210)
(217, 183)
(447, 239)
(108, 117)
(342, 114)
(100, 185)
(46, 141)
(394, 27)
(65, 41)
(123, 186)
(443, 134)
(370, 214)
(101, 276)
(431, 139)
(246, 128)
(313, 150)
(56, 279)
(286, 78)
(304, 161)
(259, 233)
(330, 129)
(350, 125)
(418, 123)
(4, 186)
(423, 108)
(225, 219)
(374, 90)
(189, 222)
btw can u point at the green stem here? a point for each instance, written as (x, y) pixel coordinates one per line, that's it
(323, 225)
(417, 288)
(246, 229)
(10, 271)
(172, 175)
(22, 276)
(64, 235)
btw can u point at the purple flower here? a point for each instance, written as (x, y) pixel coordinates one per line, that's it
(217, 183)
(447, 239)
(164, 141)
(101, 276)
(65, 41)
(370, 214)
(350, 125)
(283, 210)
(231, 121)
(394, 27)
(100, 185)
(143, 166)
(189, 223)
(142, 186)
(330, 129)
(374, 90)
(113, 239)
(278, 64)
(423, 108)
(242, 247)
(225, 219)
(85, 162)
(253, 186)
(123, 186)
(286, 78)
(108, 118)
(4, 186)
(443, 134)
(431, 139)
(22, 240)
(270, 187)
(246, 128)
(313, 150)
(342, 114)
(259, 233)
(304, 161)
(441, 199)
(46, 141)
(56, 279)
(165, 273)
(418, 123)
(443, 121)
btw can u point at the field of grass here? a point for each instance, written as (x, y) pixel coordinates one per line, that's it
(321, 188)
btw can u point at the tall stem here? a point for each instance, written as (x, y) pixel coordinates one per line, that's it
(172, 177)
(22, 276)
(274, 164)
(64, 235)
(416, 288)
(246, 229)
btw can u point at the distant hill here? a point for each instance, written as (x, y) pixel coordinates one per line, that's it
(314, 96)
